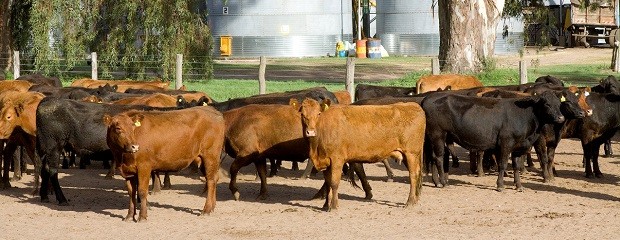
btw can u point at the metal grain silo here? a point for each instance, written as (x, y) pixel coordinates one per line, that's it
(408, 27)
(280, 28)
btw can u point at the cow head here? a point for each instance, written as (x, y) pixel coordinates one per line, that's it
(570, 106)
(18, 110)
(582, 94)
(609, 85)
(546, 106)
(310, 111)
(121, 131)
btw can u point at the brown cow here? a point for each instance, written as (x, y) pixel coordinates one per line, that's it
(15, 85)
(344, 97)
(153, 100)
(368, 134)
(18, 125)
(454, 81)
(142, 142)
(122, 84)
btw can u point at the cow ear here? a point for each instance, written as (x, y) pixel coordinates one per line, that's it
(107, 120)
(137, 119)
(325, 104)
(294, 103)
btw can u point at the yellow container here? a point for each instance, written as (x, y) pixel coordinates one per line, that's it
(226, 45)
(360, 48)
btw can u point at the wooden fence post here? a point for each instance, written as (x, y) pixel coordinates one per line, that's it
(522, 72)
(349, 81)
(93, 65)
(262, 86)
(179, 72)
(435, 66)
(15, 64)
(616, 56)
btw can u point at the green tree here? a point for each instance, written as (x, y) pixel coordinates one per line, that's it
(129, 35)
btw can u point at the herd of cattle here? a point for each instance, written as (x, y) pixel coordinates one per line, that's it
(146, 129)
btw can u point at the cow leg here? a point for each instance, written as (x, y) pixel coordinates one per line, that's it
(551, 163)
(309, 167)
(7, 155)
(167, 184)
(111, 171)
(143, 192)
(295, 166)
(415, 178)
(608, 150)
(517, 163)
(274, 165)
(234, 170)
(473, 162)
(587, 157)
(597, 170)
(540, 146)
(388, 170)
(37, 166)
(358, 168)
(156, 183)
(45, 179)
(479, 157)
(437, 168)
(132, 188)
(261, 168)
(455, 159)
(501, 167)
(19, 164)
(211, 168)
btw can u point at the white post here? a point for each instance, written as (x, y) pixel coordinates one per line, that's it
(179, 72)
(617, 53)
(93, 65)
(349, 81)
(435, 66)
(262, 86)
(15, 64)
(522, 72)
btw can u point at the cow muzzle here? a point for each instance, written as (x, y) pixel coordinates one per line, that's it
(310, 133)
(559, 119)
(133, 148)
(589, 112)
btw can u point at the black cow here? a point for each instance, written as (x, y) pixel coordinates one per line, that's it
(365, 91)
(596, 129)
(550, 80)
(283, 98)
(478, 124)
(64, 124)
(608, 85)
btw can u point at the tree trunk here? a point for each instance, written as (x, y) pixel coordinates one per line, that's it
(5, 37)
(467, 33)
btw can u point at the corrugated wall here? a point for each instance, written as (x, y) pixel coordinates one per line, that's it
(281, 28)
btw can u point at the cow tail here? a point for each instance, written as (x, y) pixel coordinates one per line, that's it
(351, 176)
(418, 186)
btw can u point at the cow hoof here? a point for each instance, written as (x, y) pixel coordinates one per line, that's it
(598, 175)
(368, 196)
(589, 175)
(142, 220)
(5, 185)
(65, 203)
(439, 185)
(109, 176)
(129, 219)
(236, 196)
(500, 189)
(45, 200)
(519, 189)
(390, 180)
(455, 164)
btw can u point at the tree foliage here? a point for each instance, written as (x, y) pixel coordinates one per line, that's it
(129, 35)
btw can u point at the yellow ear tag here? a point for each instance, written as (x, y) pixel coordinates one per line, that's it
(180, 100)
(562, 99)
(137, 123)
(326, 107)
(205, 104)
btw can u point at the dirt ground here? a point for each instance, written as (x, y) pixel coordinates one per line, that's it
(572, 207)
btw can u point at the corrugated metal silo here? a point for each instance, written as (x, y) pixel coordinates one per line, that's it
(408, 27)
(280, 28)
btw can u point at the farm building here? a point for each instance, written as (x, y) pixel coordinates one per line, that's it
(297, 28)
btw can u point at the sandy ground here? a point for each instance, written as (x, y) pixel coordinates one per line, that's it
(573, 207)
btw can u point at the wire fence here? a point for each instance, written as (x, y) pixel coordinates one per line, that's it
(140, 67)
